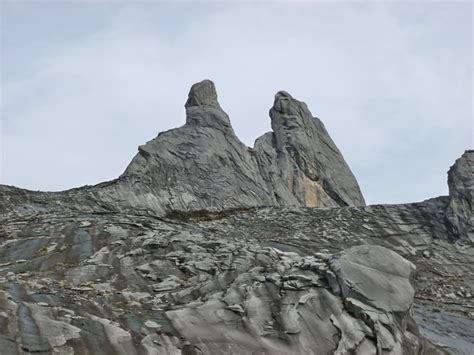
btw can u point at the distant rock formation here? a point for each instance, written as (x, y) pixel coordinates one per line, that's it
(203, 164)
(461, 190)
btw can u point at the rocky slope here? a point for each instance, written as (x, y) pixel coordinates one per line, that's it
(205, 246)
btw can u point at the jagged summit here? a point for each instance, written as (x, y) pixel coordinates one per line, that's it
(308, 160)
(203, 94)
(203, 109)
(282, 102)
(204, 165)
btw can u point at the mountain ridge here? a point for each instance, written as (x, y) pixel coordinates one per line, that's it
(206, 246)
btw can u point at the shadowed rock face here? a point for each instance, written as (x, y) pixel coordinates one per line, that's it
(136, 266)
(461, 190)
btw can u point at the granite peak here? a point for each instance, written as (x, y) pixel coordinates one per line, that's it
(206, 246)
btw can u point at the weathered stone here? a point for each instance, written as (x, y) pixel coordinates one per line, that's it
(461, 191)
(302, 162)
(376, 276)
(100, 268)
(203, 165)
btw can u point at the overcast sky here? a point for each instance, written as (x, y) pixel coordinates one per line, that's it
(84, 83)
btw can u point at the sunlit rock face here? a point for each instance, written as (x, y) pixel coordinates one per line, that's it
(206, 246)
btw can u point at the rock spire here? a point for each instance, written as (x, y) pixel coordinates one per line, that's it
(204, 165)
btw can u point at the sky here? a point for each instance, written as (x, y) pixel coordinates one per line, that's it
(84, 83)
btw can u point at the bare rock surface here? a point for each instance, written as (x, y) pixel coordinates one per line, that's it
(301, 160)
(461, 190)
(201, 165)
(204, 165)
(131, 284)
(376, 276)
(241, 281)
(205, 246)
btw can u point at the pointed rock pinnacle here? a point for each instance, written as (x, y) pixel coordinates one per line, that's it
(203, 94)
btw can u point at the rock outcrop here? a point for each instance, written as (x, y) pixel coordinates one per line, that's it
(301, 161)
(203, 164)
(460, 213)
(129, 284)
(205, 246)
(270, 280)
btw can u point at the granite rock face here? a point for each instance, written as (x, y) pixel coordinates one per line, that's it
(461, 190)
(205, 246)
(203, 164)
(376, 276)
(261, 280)
(301, 160)
(130, 284)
